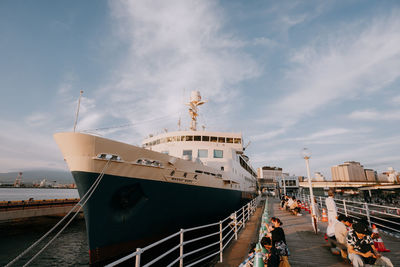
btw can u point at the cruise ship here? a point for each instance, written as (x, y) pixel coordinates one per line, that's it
(174, 180)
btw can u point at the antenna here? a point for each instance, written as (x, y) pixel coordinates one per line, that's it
(195, 101)
(77, 111)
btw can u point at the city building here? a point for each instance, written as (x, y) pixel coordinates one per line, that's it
(267, 178)
(288, 183)
(319, 177)
(371, 175)
(348, 171)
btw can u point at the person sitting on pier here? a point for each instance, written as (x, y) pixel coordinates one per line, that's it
(279, 250)
(294, 208)
(361, 249)
(341, 231)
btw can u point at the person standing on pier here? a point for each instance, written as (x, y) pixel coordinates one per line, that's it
(332, 213)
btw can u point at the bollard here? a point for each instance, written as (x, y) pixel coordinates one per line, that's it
(258, 260)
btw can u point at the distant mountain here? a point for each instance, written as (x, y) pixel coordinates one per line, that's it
(30, 176)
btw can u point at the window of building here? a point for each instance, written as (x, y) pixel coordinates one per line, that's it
(206, 138)
(178, 138)
(169, 139)
(218, 153)
(203, 153)
(237, 140)
(221, 139)
(187, 153)
(222, 168)
(185, 174)
(197, 138)
(214, 139)
(189, 137)
(229, 140)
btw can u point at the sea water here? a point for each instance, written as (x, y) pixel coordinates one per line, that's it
(69, 249)
(7, 194)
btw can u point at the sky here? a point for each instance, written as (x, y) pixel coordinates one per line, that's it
(286, 74)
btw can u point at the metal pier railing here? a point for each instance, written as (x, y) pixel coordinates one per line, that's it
(228, 230)
(386, 217)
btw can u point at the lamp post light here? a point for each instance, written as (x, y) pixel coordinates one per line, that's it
(307, 155)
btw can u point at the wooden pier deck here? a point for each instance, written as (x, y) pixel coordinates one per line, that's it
(306, 248)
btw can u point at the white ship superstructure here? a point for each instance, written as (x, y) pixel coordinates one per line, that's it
(217, 154)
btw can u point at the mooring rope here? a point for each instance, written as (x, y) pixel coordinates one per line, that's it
(81, 203)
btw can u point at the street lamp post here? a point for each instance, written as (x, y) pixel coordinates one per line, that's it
(307, 155)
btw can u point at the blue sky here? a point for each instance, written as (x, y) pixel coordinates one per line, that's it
(287, 74)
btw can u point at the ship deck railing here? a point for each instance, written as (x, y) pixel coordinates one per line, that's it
(385, 217)
(228, 230)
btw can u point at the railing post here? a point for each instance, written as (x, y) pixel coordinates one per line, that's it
(220, 241)
(367, 211)
(248, 211)
(344, 206)
(137, 261)
(243, 220)
(235, 222)
(181, 249)
(320, 202)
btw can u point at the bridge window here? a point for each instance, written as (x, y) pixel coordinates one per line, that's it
(221, 139)
(214, 139)
(218, 153)
(206, 138)
(229, 140)
(188, 154)
(197, 138)
(203, 153)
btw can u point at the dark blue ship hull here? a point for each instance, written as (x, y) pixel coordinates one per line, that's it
(126, 213)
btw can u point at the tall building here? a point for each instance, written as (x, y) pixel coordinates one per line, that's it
(348, 171)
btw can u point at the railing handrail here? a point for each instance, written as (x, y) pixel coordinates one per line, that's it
(363, 209)
(240, 213)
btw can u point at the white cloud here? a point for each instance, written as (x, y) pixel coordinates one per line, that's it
(25, 148)
(349, 63)
(371, 114)
(174, 46)
(37, 119)
(396, 100)
(267, 135)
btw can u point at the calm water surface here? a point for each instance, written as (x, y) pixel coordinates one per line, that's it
(7, 194)
(69, 249)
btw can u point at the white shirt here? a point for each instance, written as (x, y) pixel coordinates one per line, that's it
(332, 210)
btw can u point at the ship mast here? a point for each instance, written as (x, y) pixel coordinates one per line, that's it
(195, 101)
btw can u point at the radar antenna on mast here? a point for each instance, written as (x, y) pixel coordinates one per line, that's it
(195, 101)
